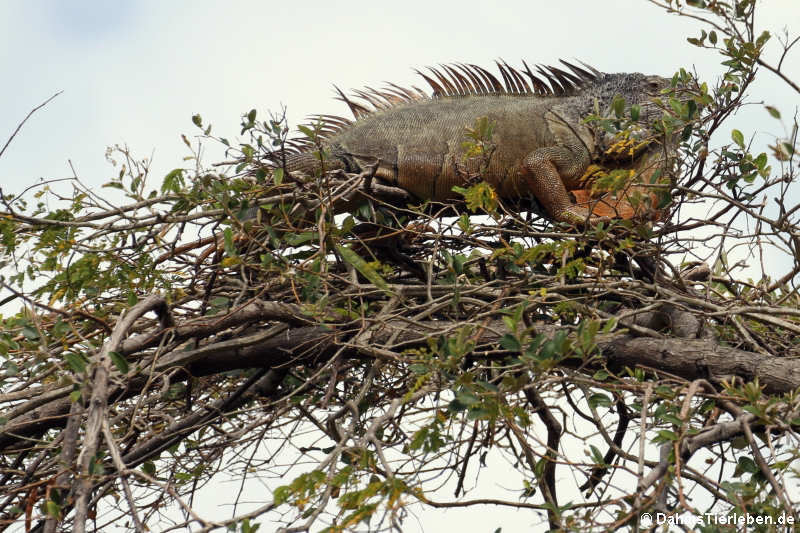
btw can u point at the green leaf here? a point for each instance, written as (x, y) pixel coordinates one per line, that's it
(96, 465)
(672, 419)
(197, 120)
(597, 455)
(296, 239)
(149, 468)
(219, 302)
(772, 111)
(305, 130)
(173, 181)
(676, 106)
(479, 196)
(463, 223)
(609, 326)
(419, 369)
(618, 106)
(228, 237)
(30, 333)
(761, 161)
(75, 362)
(738, 138)
(510, 342)
(363, 267)
(52, 509)
(251, 116)
(745, 465)
(277, 176)
(635, 112)
(666, 435)
(599, 400)
(465, 397)
(119, 362)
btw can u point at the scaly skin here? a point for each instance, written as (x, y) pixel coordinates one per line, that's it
(541, 145)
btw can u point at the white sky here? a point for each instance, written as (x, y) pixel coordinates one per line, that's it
(137, 72)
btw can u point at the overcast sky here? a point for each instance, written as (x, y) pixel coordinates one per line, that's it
(135, 73)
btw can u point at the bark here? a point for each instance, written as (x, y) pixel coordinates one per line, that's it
(689, 358)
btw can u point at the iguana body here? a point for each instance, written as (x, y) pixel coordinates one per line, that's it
(540, 144)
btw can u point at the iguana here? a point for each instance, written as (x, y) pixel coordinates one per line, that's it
(540, 142)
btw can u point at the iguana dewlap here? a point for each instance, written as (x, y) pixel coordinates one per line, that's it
(540, 143)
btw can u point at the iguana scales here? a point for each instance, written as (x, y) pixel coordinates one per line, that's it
(541, 144)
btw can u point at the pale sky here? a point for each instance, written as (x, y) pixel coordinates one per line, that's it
(136, 72)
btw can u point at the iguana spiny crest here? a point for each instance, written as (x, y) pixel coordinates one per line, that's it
(541, 145)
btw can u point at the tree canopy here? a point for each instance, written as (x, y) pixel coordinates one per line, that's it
(364, 365)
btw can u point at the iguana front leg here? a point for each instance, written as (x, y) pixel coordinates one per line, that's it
(547, 169)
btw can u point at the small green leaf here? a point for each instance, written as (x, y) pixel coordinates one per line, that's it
(745, 465)
(466, 397)
(305, 130)
(277, 176)
(479, 196)
(463, 223)
(597, 455)
(219, 302)
(738, 138)
(197, 120)
(296, 239)
(599, 400)
(618, 106)
(96, 465)
(609, 326)
(173, 181)
(75, 362)
(666, 435)
(761, 161)
(119, 362)
(149, 468)
(676, 106)
(419, 369)
(510, 342)
(363, 267)
(30, 333)
(635, 112)
(52, 509)
(228, 237)
(772, 111)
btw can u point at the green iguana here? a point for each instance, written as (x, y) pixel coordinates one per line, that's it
(540, 142)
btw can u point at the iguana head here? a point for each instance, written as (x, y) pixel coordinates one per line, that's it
(637, 89)
(641, 90)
